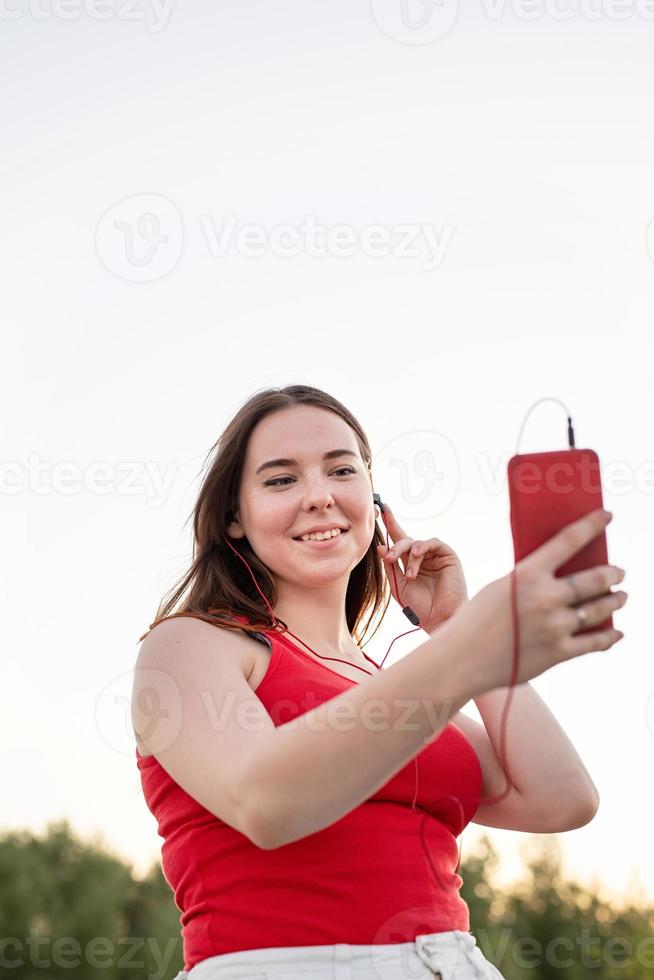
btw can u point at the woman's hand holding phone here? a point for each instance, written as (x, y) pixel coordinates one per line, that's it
(546, 609)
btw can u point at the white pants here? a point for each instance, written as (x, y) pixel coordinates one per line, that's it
(441, 955)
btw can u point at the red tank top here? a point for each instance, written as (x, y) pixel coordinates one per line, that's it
(365, 879)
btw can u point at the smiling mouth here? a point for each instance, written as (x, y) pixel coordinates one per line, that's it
(332, 537)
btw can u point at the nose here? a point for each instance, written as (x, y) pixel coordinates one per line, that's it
(317, 496)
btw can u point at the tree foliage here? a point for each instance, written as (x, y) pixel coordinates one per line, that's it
(549, 928)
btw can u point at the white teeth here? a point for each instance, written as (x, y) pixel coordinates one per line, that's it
(318, 536)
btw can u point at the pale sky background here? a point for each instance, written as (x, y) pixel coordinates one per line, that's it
(525, 147)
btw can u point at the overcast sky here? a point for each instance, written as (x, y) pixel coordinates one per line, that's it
(437, 215)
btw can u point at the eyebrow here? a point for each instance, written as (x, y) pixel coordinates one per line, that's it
(293, 462)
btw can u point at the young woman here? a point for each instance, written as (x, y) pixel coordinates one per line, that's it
(309, 802)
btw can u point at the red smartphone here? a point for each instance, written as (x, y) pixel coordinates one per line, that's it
(546, 492)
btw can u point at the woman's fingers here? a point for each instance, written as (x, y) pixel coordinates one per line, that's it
(398, 536)
(596, 611)
(398, 549)
(589, 583)
(392, 523)
(569, 540)
(575, 646)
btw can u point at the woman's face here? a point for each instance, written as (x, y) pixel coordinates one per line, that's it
(280, 502)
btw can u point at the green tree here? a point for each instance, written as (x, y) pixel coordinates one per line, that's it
(548, 928)
(69, 909)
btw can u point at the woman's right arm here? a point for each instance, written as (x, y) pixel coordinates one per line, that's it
(193, 708)
(321, 765)
(279, 784)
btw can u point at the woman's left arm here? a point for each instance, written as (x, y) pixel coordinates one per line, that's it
(551, 789)
(543, 761)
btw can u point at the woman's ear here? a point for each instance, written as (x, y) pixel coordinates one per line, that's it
(234, 528)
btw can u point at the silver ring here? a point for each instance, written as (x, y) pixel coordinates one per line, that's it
(582, 616)
(578, 596)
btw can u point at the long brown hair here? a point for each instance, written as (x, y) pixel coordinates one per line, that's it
(218, 587)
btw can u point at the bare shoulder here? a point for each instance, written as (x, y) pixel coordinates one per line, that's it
(185, 644)
(188, 705)
(182, 633)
